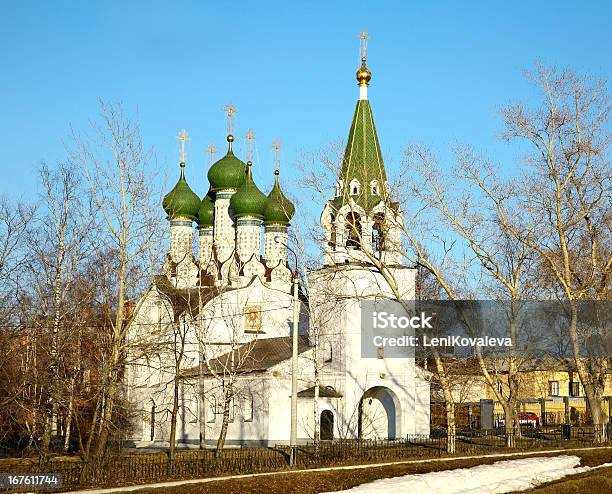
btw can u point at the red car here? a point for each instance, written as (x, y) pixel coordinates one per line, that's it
(528, 418)
(525, 418)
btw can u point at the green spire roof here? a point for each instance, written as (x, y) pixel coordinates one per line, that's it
(249, 200)
(278, 210)
(181, 201)
(228, 172)
(362, 163)
(207, 211)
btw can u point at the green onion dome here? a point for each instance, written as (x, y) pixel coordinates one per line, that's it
(207, 211)
(181, 201)
(248, 200)
(278, 210)
(228, 172)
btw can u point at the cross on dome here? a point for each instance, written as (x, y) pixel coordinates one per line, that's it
(182, 136)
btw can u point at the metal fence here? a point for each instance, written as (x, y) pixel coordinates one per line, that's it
(123, 469)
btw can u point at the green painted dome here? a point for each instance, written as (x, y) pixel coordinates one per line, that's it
(228, 172)
(181, 201)
(207, 211)
(249, 200)
(278, 210)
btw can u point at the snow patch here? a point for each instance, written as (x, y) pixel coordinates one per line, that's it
(497, 478)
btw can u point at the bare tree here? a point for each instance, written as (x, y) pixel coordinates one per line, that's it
(565, 192)
(503, 261)
(118, 177)
(56, 246)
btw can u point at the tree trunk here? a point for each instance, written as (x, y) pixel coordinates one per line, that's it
(591, 390)
(227, 401)
(317, 415)
(510, 425)
(173, 420)
(51, 402)
(451, 427)
(68, 427)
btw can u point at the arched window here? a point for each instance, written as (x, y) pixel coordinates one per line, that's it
(212, 409)
(152, 421)
(332, 239)
(378, 236)
(328, 352)
(327, 425)
(353, 231)
(247, 407)
(339, 188)
(355, 187)
(374, 189)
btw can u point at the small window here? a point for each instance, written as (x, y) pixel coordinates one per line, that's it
(355, 187)
(339, 188)
(212, 409)
(247, 408)
(152, 421)
(160, 316)
(332, 239)
(374, 189)
(194, 410)
(574, 388)
(328, 352)
(553, 388)
(232, 410)
(500, 387)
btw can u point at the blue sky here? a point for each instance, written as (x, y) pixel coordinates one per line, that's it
(440, 71)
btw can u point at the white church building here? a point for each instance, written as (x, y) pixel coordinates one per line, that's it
(212, 337)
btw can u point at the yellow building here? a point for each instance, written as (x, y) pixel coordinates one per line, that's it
(548, 387)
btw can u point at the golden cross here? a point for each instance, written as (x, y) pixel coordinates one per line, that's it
(250, 137)
(277, 147)
(212, 151)
(183, 137)
(363, 42)
(230, 111)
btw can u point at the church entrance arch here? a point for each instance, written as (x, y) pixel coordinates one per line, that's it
(327, 425)
(379, 414)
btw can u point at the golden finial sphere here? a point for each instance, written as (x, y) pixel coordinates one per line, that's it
(363, 74)
(230, 138)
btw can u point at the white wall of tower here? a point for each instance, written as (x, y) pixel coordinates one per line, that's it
(275, 243)
(181, 239)
(205, 245)
(224, 229)
(248, 238)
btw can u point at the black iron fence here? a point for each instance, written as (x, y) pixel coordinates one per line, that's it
(134, 468)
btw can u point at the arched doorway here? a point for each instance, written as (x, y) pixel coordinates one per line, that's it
(327, 425)
(379, 414)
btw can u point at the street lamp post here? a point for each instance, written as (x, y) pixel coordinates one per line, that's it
(294, 368)
(294, 357)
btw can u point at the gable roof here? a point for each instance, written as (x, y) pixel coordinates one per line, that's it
(258, 355)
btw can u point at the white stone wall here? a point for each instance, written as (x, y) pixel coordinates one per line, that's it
(205, 244)
(224, 229)
(248, 238)
(181, 239)
(275, 251)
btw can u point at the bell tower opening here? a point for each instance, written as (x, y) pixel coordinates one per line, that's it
(353, 231)
(378, 233)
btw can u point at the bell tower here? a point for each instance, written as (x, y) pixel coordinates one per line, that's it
(361, 220)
